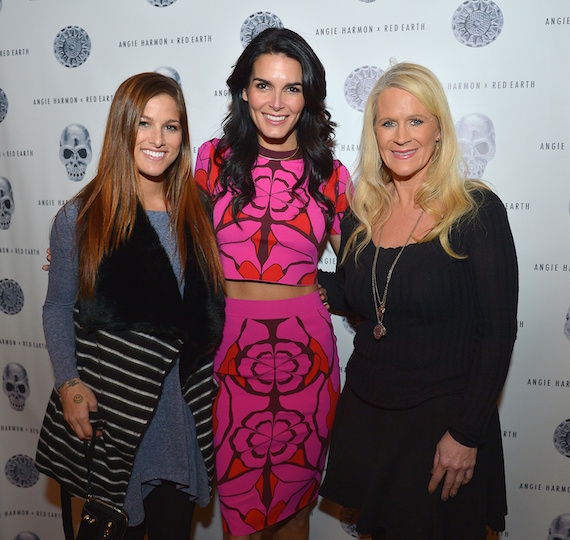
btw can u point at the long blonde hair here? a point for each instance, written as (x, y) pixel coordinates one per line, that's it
(107, 205)
(445, 195)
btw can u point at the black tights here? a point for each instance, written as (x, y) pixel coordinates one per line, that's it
(168, 514)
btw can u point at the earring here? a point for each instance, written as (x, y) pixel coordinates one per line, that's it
(436, 149)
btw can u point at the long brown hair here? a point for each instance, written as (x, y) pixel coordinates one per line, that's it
(107, 205)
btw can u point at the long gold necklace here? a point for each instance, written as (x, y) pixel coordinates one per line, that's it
(380, 303)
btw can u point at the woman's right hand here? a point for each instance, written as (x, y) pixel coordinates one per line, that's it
(48, 257)
(78, 400)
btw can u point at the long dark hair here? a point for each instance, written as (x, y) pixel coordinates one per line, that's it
(108, 203)
(315, 130)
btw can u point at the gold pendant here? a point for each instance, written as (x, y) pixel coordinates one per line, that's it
(379, 331)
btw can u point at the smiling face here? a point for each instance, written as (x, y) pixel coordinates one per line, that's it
(406, 133)
(159, 138)
(275, 99)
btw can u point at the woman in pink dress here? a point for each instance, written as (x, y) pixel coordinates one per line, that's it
(278, 196)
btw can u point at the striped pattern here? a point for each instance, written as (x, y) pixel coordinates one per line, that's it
(125, 370)
(199, 392)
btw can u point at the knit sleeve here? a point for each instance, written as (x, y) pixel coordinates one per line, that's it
(57, 314)
(492, 259)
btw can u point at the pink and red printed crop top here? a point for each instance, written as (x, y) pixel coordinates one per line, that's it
(277, 236)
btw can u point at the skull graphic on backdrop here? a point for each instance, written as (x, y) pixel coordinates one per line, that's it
(560, 528)
(567, 325)
(75, 151)
(168, 71)
(6, 203)
(26, 535)
(476, 137)
(161, 3)
(16, 385)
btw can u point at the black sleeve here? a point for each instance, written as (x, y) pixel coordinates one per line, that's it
(492, 257)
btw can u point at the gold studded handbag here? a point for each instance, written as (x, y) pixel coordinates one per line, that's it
(101, 521)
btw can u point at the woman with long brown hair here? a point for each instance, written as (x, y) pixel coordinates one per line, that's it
(133, 313)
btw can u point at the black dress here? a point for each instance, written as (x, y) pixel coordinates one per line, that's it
(451, 326)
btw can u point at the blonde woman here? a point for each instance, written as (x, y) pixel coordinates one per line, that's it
(428, 264)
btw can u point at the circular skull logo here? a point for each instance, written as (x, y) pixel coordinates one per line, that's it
(559, 528)
(11, 297)
(26, 535)
(75, 151)
(476, 23)
(21, 471)
(562, 438)
(476, 138)
(3, 105)
(257, 23)
(161, 3)
(168, 71)
(16, 385)
(359, 84)
(6, 203)
(72, 46)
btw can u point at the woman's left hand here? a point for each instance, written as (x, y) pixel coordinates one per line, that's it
(48, 257)
(455, 462)
(323, 294)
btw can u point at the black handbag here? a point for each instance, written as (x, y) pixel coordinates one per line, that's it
(99, 519)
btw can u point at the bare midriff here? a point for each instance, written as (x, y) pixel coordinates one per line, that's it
(254, 290)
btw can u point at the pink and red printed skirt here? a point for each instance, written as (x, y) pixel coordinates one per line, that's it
(278, 374)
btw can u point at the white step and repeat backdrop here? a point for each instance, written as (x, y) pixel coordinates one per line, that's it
(504, 65)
